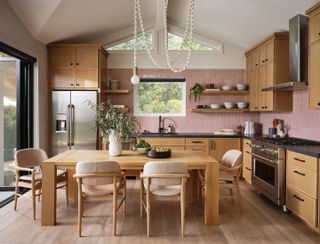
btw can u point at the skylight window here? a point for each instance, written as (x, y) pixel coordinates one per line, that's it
(128, 44)
(175, 41)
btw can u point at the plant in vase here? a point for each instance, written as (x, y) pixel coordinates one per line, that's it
(114, 125)
(196, 91)
(141, 147)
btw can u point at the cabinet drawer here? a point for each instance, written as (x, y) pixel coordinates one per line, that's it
(246, 145)
(165, 141)
(246, 174)
(302, 179)
(196, 141)
(302, 160)
(301, 205)
(198, 148)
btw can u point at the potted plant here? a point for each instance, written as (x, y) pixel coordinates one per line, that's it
(114, 125)
(196, 91)
(141, 147)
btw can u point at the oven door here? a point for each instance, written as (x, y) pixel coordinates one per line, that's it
(265, 177)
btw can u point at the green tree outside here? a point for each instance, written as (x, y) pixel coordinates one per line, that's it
(10, 131)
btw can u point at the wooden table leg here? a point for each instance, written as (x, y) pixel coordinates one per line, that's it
(72, 187)
(211, 197)
(49, 194)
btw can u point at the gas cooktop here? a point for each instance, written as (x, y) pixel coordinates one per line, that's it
(288, 141)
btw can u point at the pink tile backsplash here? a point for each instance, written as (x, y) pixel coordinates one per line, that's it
(302, 121)
(193, 122)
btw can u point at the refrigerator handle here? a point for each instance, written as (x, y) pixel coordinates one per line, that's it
(68, 126)
(72, 125)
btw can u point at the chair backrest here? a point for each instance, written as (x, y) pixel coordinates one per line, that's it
(232, 158)
(92, 167)
(30, 157)
(164, 168)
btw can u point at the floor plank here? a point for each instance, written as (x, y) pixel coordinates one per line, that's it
(261, 222)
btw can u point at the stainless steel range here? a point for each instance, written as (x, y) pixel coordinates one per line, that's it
(269, 166)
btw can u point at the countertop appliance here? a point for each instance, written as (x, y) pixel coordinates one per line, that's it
(251, 128)
(269, 166)
(73, 121)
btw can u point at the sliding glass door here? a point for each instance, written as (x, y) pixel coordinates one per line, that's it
(8, 114)
(16, 112)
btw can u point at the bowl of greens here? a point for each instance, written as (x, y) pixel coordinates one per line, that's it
(141, 147)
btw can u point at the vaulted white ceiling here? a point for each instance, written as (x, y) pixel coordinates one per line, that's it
(242, 22)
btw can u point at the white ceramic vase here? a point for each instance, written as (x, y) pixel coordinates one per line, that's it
(115, 145)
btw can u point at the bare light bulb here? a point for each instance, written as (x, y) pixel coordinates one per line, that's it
(135, 80)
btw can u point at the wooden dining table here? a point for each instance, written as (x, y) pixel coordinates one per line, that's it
(128, 161)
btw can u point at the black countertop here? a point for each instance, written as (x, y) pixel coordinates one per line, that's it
(313, 151)
(191, 135)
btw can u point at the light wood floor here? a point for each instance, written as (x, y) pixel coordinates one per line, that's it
(261, 222)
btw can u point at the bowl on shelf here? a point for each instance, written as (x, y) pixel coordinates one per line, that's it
(241, 87)
(227, 88)
(229, 105)
(242, 105)
(215, 106)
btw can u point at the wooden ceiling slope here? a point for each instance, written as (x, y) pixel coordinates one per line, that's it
(241, 22)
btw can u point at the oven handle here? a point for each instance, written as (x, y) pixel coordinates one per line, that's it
(266, 159)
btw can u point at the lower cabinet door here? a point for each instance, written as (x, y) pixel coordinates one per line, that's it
(301, 205)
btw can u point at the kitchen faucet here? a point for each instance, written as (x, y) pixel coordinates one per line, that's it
(160, 129)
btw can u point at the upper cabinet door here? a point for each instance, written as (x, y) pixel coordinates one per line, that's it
(314, 76)
(87, 57)
(269, 51)
(314, 28)
(62, 57)
(255, 59)
(263, 54)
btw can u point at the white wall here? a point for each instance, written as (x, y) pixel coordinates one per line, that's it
(14, 34)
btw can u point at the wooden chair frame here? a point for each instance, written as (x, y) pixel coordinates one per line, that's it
(145, 204)
(121, 178)
(33, 185)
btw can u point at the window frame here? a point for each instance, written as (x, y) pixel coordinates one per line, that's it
(166, 80)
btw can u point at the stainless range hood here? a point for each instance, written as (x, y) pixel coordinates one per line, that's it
(298, 56)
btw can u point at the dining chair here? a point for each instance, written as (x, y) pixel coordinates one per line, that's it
(230, 169)
(100, 180)
(29, 161)
(163, 180)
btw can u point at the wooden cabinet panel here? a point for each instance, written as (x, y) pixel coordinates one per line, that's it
(301, 205)
(247, 160)
(254, 91)
(76, 66)
(269, 51)
(218, 146)
(314, 75)
(87, 78)
(87, 57)
(63, 77)
(197, 144)
(164, 141)
(62, 57)
(305, 161)
(246, 145)
(255, 59)
(314, 27)
(302, 179)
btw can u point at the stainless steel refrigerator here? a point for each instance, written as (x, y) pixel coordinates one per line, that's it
(73, 124)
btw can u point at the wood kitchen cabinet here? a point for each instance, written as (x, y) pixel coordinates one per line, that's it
(314, 57)
(270, 66)
(247, 160)
(302, 186)
(172, 143)
(75, 66)
(219, 146)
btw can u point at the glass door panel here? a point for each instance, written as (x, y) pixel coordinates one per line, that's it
(8, 111)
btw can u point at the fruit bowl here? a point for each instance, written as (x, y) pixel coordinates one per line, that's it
(157, 153)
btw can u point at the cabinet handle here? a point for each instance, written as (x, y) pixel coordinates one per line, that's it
(196, 142)
(248, 169)
(263, 61)
(77, 84)
(299, 173)
(300, 199)
(318, 104)
(300, 160)
(256, 64)
(266, 59)
(77, 63)
(71, 84)
(256, 107)
(266, 107)
(71, 63)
